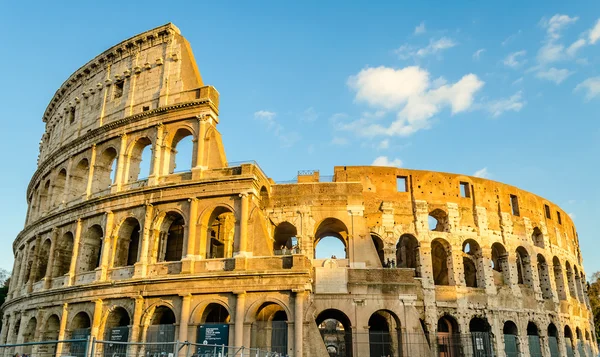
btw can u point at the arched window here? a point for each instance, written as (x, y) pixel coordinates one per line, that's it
(473, 264)
(336, 330)
(42, 263)
(524, 267)
(285, 239)
(330, 239)
(221, 232)
(441, 260)
(172, 244)
(269, 331)
(117, 322)
(449, 341)
(558, 276)
(378, 244)
(264, 198)
(500, 265)
(407, 253)
(161, 329)
(140, 160)
(553, 340)
(535, 348)
(215, 313)
(438, 221)
(537, 237)
(58, 192)
(511, 345)
(78, 179)
(104, 170)
(128, 243)
(384, 333)
(91, 250)
(571, 281)
(544, 277)
(63, 254)
(182, 148)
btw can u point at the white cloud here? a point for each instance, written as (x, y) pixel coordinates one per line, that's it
(483, 173)
(410, 93)
(285, 138)
(420, 29)
(517, 81)
(591, 86)
(309, 115)
(572, 215)
(434, 47)
(383, 144)
(511, 38)
(594, 34)
(339, 141)
(384, 161)
(478, 53)
(575, 46)
(512, 60)
(556, 24)
(554, 75)
(496, 107)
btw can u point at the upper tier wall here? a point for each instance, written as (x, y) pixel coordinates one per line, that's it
(147, 71)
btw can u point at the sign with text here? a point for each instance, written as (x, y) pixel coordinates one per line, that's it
(210, 335)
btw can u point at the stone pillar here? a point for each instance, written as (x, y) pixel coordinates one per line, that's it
(189, 254)
(486, 270)
(24, 264)
(67, 189)
(141, 266)
(156, 156)
(240, 306)
(102, 272)
(198, 159)
(243, 231)
(50, 266)
(35, 261)
(456, 270)
(120, 177)
(90, 181)
(64, 317)
(14, 281)
(185, 317)
(136, 324)
(76, 244)
(299, 323)
(97, 318)
(5, 327)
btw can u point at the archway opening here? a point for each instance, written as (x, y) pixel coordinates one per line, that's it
(128, 243)
(407, 253)
(378, 244)
(264, 198)
(221, 233)
(500, 265)
(511, 344)
(524, 267)
(535, 347)
(569, 343)
(481, 339)
(558, 276)
(537, 237)
(182, 148)
(440, 259)
(172, 232)
(571, 281)
(58, 192)
(331, 239)
(161, 329)
(448, 336)
(105, 170)
(43, 257)
(78, 179)
(28, 334)
(284, 240)
(63, 254)
(91, 251)
(438, 221)
(544, 277)
(336, 331)
(215, 317)
(384, 338)
(140, 160)
(117, 329)
(51, 329)
(553, 340)
(80, 329)
(473, 264)
(269, 330)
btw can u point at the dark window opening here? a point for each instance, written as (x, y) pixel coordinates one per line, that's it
(72, 115)
(465, 190)
(558, 217)
(118, 91)
(547, 210)
(145, 108)
(514, 205)
(401, 184)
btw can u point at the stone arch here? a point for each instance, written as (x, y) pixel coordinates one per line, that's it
(138, 153)
(78, 179)
(447, 330)
(284, 239)
(384, 333)
(269, 327)
(30, 328)
(379, 248)
(569, 340)
(578, 286)
(42, 261)
(265, 200)
(537, 237)
(105, 169)
(500, 264)
(544, 277)
(128, 243)
(479, 324)
(51, 328)
(524, 275)
(58, 191)
(200, 311)
(511, 339)
(215, 313)
(91, 251)
(218, 226)
(473, 266)
(533, 335)
(407, 253)
(30, 261)
(510, 328)
(171, 237)
(570, 280)
(558, 277)
(117, 319)
(438, 221)
(63, 254)
(553, 339)
(441, 260)
(79, 326)
(336, 331)
(182, 133)
(45, 198)
(329, 230)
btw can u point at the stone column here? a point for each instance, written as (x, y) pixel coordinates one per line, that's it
(156, 156)
(189, 254)
(136, 324)
(102, 272)
(24, 264)
(90, 181)
(243, 232)
(141, 266)
(50, 266)
(185, 317)
(299, 322)
(486, 270)
(98, 304)
(240, 307)
(76, 246)
(64, 317)
(35, 261)
(17, 264)
(120, 175)
(67, 189)
(5, 327)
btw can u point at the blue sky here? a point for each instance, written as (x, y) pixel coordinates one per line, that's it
(508, 91)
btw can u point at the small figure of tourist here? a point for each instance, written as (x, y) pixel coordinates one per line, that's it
(393, 263)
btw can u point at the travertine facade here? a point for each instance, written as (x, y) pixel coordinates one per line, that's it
(223, 243)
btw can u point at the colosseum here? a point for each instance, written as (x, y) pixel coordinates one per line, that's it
(432, 264)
